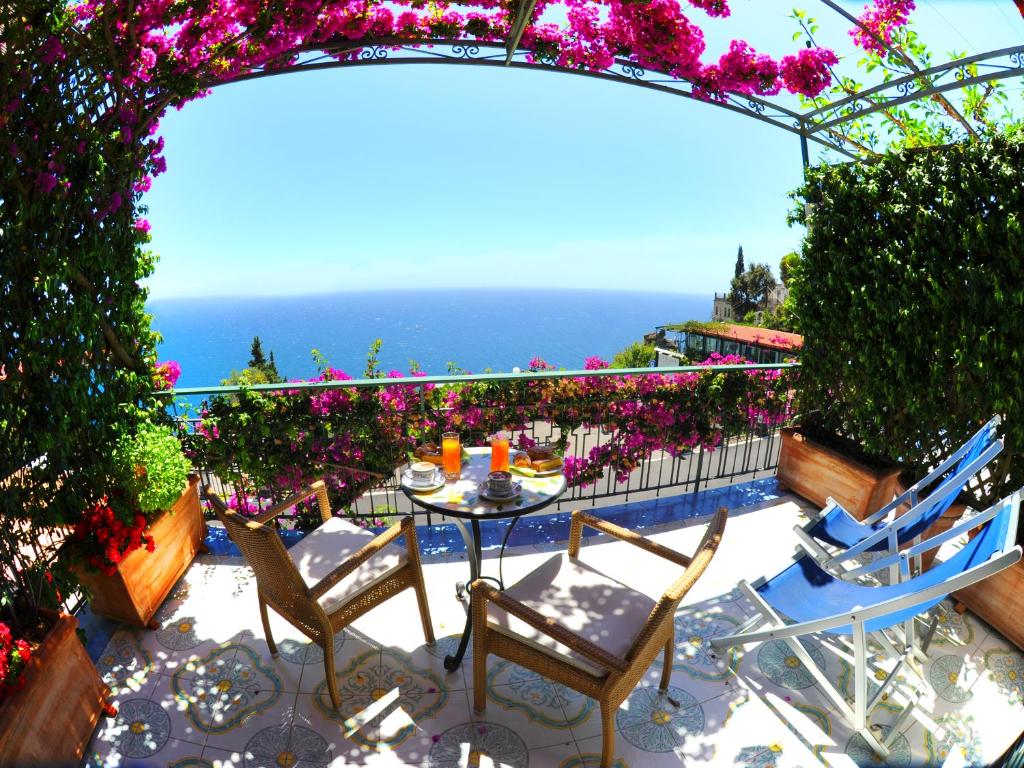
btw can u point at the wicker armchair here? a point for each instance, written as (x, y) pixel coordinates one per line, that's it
(581, 628)
(308, 587)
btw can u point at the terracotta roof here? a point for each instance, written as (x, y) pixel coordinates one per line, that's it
(762, 337)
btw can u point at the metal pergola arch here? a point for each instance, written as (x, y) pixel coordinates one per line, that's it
(813, 125)
(816, 125)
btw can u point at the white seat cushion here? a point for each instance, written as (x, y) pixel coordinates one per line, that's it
(330, 545)
(585, 601)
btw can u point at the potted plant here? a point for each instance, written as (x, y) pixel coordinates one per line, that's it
(816, 465)
(51, 695)
(132, 545)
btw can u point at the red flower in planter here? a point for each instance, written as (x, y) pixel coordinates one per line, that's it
(14, 655)
(105, 538)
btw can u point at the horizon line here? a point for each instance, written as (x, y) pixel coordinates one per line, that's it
(532, 289)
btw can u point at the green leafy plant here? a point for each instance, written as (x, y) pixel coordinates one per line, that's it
(151, 467)
(910, 295)
(636, 355)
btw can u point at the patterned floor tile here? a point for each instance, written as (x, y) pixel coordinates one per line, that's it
(431, 657)
(384, 700)
(470, 743)
(140, 734)
(626, 755)
(529, 705)
(203, 692)
(761, 726)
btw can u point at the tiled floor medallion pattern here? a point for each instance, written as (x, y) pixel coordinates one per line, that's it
(465, 745)
(125, 663)
(952, 628)
(862, 754)
(295, 747)
(779, 664)
(1006, 668)
(447, 646)
(371, 676)
(590, 760)
(694, 631)
(306, 652)
(944, 676)
(542, 701)
(191, 762)
(231, 684)
(765, 756)
(141, 729)
(960, 737)
(659, 722)
(179, 634)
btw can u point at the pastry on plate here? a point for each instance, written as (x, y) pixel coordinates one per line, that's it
(429, 452)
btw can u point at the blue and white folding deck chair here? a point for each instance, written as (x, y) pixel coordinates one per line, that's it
(882, 532)
(804, 599)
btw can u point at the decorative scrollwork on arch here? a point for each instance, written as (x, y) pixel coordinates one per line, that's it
(633, 71)
(373, 53)
(461, 51)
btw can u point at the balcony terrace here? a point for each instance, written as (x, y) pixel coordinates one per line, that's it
(204, 690)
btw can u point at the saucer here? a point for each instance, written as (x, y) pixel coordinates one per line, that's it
(433, 485)
(485, 493)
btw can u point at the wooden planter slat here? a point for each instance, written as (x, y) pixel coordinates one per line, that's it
(816, 472)
(144, 579)
(999, 600)
(51, 719)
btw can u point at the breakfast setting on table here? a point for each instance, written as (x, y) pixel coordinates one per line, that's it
(469, 480)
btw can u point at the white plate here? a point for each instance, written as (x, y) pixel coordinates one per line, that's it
(530, 471)
(438, 481)
(485, 493)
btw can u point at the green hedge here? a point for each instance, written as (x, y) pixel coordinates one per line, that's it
(910, 296)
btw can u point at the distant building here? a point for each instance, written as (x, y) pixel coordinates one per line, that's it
(776, 297)
(759, 345)
(721, 312)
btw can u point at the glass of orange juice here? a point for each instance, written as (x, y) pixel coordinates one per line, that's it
(499, 454)
(451, 456)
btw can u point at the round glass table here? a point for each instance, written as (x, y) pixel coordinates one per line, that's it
(462, 501)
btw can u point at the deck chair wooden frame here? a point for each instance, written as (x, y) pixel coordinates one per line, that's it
(620, 675)
(281, 587)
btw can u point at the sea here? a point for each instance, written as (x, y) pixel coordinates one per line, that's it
(474, 329)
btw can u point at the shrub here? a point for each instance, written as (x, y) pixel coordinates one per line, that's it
(910, 296)
(151, 467)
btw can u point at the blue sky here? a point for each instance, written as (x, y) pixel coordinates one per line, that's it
(443, 176)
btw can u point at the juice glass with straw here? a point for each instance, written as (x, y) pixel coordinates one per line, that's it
(499, 454)
(451, 456)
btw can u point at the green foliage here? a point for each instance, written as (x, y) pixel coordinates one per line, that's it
(697, 326)
(739, 262)
(976, 111)
(636, 355)
(749, 291)
(788, 264)
(151, 467)
(910, 294)
(76, 348)
(259, 371)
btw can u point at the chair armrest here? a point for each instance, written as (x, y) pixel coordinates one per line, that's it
(481, 590)
(580, 519)
(378, 543)
(312, 489)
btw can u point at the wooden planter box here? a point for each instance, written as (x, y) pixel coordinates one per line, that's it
(999, 600)
(51, 719)
(144, 579)
(816, 472)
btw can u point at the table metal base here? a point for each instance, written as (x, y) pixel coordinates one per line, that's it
(475, 557)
